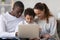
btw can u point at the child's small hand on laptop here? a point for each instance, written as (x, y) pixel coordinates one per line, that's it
(16, 33)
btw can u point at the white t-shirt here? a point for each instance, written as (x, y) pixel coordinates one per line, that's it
(7, 25)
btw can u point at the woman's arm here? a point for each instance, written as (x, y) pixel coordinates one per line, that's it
(53, 26)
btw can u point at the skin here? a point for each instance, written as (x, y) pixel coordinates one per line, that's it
(16, 12)
(35, 39)
(41, 16)
(29, 18)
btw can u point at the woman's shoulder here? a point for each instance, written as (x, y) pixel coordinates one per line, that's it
(52, 18)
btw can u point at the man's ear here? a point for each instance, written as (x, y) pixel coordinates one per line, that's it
(13, 8)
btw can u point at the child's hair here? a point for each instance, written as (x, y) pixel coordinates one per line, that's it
(43, 6)
(30, 12)
(19, 4)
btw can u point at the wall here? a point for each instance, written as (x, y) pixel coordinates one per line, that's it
(52, 4)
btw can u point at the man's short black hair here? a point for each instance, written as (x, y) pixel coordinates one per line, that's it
(19, 4)
(29, 11)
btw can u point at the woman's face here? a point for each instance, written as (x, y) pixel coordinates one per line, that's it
(39, 13)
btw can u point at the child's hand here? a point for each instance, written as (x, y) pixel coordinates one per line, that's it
(16, 33)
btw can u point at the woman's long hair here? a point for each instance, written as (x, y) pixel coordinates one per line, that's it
(43, 6)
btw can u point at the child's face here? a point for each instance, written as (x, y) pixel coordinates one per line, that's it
(29, 18)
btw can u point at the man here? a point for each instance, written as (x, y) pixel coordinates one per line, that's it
(9, 21)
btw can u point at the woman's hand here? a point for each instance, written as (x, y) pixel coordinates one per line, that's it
(35, 39)
(46, 36)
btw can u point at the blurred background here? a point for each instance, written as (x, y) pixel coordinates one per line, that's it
(54, 5)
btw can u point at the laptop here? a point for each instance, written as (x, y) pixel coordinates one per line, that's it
(28, 31)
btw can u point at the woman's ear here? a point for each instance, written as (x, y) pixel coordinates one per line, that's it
(44, 10)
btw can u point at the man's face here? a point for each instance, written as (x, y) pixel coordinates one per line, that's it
(29, 18)
(17, 11)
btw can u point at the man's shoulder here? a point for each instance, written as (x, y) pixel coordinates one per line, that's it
(4, 15)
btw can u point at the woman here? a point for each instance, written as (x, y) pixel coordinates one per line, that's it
(46, 21)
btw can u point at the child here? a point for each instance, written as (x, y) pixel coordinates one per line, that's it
(29, 18)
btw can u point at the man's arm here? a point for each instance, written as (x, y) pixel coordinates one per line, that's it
(3, 33)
